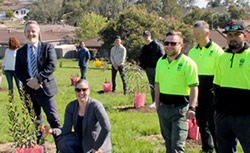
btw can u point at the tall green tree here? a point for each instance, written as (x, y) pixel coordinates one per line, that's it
(89, 26)
(176, 8)
(130, 26)
(73, 11)
(151, 5)
(111, 8)
(46, 11)
(236, 12)
(10, 14)
(192, 17)
(214, 3)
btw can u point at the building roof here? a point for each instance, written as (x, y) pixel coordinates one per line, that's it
(94, 42)
(19, 5)
(218, 37)
(46, 36)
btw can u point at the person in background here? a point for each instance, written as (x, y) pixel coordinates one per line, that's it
(118, 56)
(90, 122)
(35, 64)
(84, 57)
(150, 54)
(9, 63)
(176, 81)
(232, 91)
(205, 54)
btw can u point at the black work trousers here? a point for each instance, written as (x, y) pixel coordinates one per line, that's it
(205, 120)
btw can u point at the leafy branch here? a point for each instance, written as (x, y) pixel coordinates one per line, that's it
(23, 128)
(137, 81)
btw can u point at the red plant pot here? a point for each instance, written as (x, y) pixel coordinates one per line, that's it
(1, 77)
(139, 99)
(73, 80)
(36, 149)
(107, 86)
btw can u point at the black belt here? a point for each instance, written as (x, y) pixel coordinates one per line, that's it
(171, 105)
(178, 100)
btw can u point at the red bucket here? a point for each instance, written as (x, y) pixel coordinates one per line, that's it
(107, 87)
(1, 80)
(36, 149)
(139, 99)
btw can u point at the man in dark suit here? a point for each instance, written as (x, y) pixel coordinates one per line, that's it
(35, 64)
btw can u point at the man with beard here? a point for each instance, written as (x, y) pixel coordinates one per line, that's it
(176, 80)
(204, 54)
(35, 64)
(232, 91)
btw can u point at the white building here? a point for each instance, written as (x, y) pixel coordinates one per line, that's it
(20, 10)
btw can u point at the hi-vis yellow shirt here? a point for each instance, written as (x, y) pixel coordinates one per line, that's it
(175, 78)
(233, 70)
(205, 57)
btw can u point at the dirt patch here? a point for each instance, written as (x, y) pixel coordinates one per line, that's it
(193, 144)
(144, 109)
(3, 89)
(158, 139)
(10, 148)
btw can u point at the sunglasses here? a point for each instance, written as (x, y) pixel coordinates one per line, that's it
(234, 27)
(166, 43)
(81, 89)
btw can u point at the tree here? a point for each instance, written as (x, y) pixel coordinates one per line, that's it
(192, 17)
(224, 19)
(9, 14)
(214, 3)
(89, 26)
(73, 11)
(176, 8)
(236, 12)
(211, 18)
(151, 5)
(46, 11)
(130, 26)
(111, 8)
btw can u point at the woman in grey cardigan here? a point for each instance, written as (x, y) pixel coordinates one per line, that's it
(90, 121)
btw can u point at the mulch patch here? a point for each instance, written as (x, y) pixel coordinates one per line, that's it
(158, 139)
(193, 144)
(10, 148)
(144, 109)
(3, 89)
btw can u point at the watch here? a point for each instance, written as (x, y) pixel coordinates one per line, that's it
(192, 108)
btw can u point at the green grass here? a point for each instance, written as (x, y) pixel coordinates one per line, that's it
(131, 131)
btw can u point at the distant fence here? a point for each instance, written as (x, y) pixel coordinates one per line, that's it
(67, 51)
(2, 51)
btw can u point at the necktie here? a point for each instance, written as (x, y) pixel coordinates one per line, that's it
(33, 61)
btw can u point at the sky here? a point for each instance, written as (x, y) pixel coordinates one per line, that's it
(201, 3)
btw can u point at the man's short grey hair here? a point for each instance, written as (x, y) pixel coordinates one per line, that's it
(31, 22)
(201, 24)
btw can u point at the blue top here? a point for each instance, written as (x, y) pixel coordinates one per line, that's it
(83, 56)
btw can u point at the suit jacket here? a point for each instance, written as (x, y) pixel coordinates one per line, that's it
(96, 126)
(46, 63)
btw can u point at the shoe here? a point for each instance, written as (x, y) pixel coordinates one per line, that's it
(152, 105)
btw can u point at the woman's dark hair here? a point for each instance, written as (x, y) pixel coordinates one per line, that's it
(80, 81)
(13, 43)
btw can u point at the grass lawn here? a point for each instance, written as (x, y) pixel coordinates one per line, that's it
(131, 131)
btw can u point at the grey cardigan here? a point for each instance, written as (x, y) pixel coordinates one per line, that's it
(96, 126)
